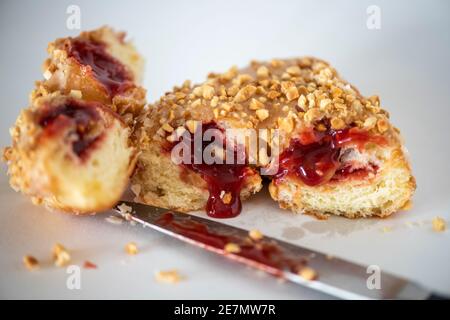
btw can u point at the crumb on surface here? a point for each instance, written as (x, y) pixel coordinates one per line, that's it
(89, 265)
(61, 256)
(30, 262)
(255, 234)
(439, 224)
(168, 276)
(308, 273)
(232, 248)
(131, 248)
(386, 229)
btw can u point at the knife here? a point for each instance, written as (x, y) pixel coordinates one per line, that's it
(315, 270)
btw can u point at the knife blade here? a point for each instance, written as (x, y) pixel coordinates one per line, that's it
(315, 270)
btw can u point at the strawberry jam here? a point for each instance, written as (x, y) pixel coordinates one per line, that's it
(314, 156)
(108, 70)
(224, 180)
(81, 117)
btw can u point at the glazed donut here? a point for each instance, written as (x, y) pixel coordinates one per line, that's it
(335, 150)
(71, 148)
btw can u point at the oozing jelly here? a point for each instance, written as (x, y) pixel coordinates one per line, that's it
(82, 117)
(224, 181)
(108, 70)
(270, 256)
(314, 156)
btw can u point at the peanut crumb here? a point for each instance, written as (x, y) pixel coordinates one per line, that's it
(226, 197)
(47, 74)
(294, 70)
(262, 114)
(131, 248)
(167, 127)
(232, 248)
(208, 92)
(337, 123)
(308, 273)
(255, 234)
(292, 93)
(255, 104)
(382, 125)
(245, 93)
(262, 72)
(168, 276)
(61, 256)
(439, 224)
(30, 262)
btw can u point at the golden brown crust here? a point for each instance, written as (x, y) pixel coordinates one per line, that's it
(64, 72)
(293, 96)
(47, 167)
(43, 164)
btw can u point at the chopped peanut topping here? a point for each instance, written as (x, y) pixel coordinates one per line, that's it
(294, 70)
(214, 101)
(245, 93)
(208, 92)
(286, 94)
(382, 125)
(262, 114)
(292, 93)
(262, 72)
(255, 104)
(337, 123)
(167, 127)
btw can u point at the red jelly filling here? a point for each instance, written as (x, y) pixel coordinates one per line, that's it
(82, 117)
(221, 178)
(314, 156)
(268, 253)
(108, 70)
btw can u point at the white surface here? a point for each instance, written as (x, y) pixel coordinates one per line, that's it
(405, 62)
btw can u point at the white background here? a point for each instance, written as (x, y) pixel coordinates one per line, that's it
(406, 62)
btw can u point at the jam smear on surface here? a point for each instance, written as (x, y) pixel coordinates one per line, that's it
(265, 252)
(223, 180)
(83, 117)
(108, 70)
(314, 156)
